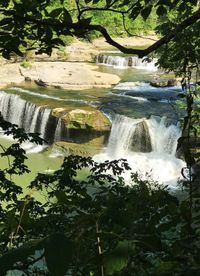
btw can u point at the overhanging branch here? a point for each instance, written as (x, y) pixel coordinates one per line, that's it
(81, 26)
(143, 52)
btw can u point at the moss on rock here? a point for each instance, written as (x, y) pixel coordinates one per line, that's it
(83, 119)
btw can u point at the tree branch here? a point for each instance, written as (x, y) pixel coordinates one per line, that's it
(80, 25)
(143, 52)
(102, 9)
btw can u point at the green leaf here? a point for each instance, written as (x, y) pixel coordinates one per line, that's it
(166, 268)
(61, 197)
(118, 258)
(67, 16)
(161, 10)
(59, 252)
(146, 12)
(56, 13)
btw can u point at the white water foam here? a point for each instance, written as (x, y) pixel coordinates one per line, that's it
(144, 86)
(33, 148)
(160, 163)
(122, 62)
(30, 117)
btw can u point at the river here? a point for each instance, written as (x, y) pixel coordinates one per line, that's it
(145, 120)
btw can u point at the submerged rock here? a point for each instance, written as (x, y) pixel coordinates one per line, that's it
(163, 83)
(84, 149)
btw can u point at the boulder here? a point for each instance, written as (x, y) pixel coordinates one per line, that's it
(87, 119)
(82, 126)
(141, 140)
(39, 82)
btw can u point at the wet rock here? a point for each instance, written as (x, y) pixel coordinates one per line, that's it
(82, 126)
(141, 140)
(90, 148)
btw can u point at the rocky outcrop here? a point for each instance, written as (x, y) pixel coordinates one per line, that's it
(68, 75)
(83, 126)
(83, 119)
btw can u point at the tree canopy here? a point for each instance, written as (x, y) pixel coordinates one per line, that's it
(41, 24)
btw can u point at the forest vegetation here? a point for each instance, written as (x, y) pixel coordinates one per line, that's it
(99, 225)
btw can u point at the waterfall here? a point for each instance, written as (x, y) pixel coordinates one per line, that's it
(29, 116)
(142, 135)
(149, 145)
(163, 136)
(121, 62)
(121, 135)
(58, 131)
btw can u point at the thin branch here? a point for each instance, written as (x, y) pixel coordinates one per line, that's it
(101, 9)
(79, 11)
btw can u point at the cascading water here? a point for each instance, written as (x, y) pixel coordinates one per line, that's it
(121, 62)
(121, 136)
(158, 159)
(30, 117)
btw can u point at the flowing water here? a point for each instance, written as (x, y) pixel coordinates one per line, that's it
(155, 156)
(144, 119)
(123, 62)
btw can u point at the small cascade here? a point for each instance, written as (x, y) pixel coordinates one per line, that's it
(45, 115)
(122, 62)
(149, 145)
(163, 136)
(29, 116)
(58, 131)
(142, 135)
(121, 136)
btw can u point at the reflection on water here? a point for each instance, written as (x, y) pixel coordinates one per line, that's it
(37, 162)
